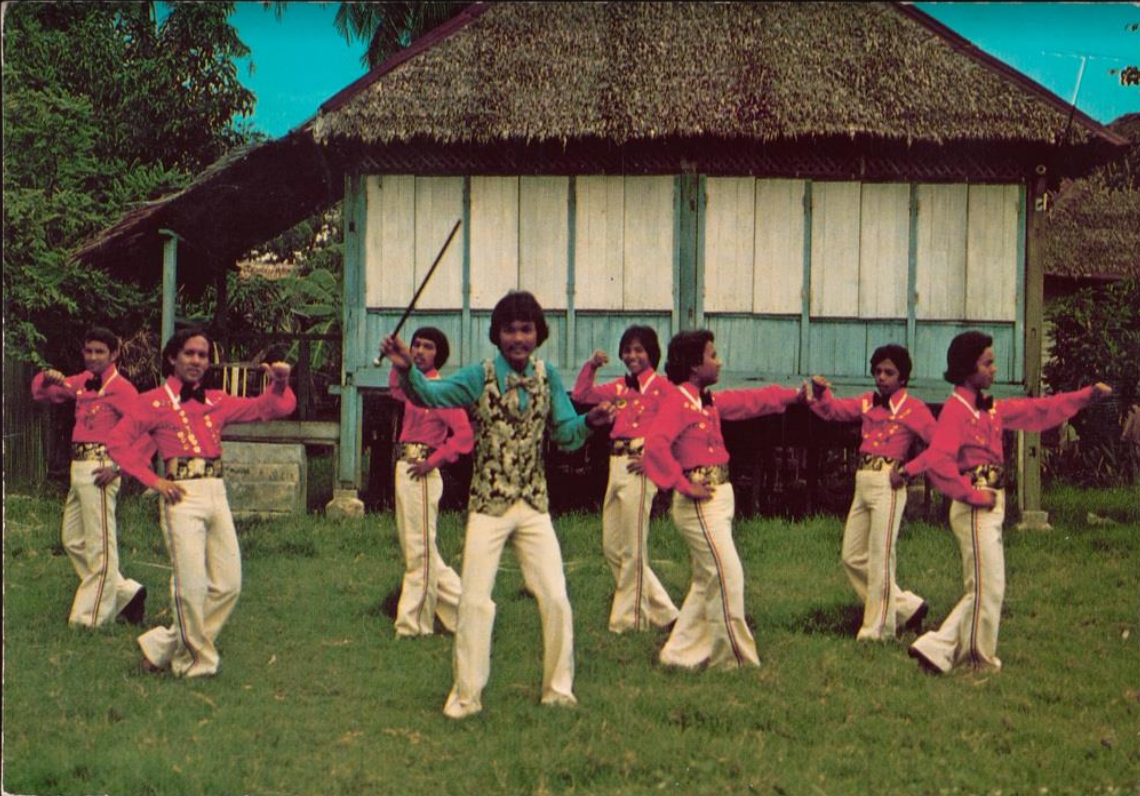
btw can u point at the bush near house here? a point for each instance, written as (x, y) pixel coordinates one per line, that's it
(1096, 337)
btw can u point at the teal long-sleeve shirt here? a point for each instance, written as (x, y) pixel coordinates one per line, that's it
(568, 429)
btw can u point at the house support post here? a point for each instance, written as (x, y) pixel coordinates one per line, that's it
(1029, 443)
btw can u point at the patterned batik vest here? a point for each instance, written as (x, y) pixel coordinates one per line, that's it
(508, 447)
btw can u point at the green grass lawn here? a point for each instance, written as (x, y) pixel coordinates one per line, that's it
(317, 696)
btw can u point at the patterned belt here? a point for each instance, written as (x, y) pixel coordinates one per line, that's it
(627, 447)
(88, 451)
(987, 476)
(708, 474)
(414, 452)
(187, 469)
(869, 461)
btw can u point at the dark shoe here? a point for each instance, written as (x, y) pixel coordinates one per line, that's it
(135, 610)
(914, 624)
(149, 668)
(924, 662)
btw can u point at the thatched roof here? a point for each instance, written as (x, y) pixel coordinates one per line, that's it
(1093, 229)
(247, 197)
(555, 79)
(626, 72)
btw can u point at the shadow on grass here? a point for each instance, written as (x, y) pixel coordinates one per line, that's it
(837, 620)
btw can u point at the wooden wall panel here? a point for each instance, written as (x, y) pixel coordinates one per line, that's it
(494, 239)
(730, 239)
(599, 246)
(390, 241)
(991, 253)
(779, 247)
(647, 240)
(941, 252)
(835, 224)
(883, 250)
(438, 205)
(544, 238)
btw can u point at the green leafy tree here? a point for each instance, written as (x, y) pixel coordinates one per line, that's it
(104, 107)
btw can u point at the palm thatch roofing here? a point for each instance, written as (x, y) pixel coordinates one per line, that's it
(1093, 229)
(625, 72)
(846, 90)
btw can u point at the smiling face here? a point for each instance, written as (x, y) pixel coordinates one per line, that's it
(886, 378)
(517, 341)
(708, 372)
(191, 362)
(423, 354)
(635, 357)
(983, 376)
(97, 356)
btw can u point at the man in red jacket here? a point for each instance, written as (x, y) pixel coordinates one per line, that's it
(102, 396)
(185, 420)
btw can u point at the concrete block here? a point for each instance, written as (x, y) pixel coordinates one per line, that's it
(265, 480)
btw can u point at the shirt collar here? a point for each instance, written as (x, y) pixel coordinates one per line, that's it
(968, 396)
(504, 369)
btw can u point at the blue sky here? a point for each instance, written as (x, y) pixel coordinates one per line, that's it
(300, 61)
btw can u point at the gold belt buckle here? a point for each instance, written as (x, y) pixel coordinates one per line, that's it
(414, 452)
(708, 474)
(88, 451)
(870, 461)
(183, 469)
(627, 447)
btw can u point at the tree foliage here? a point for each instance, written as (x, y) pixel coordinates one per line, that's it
(1096, 337)
(104, 107)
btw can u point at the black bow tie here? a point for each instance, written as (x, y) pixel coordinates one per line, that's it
(192, 392)
(632, 383)
(93, 383)
(879, 400)
(984, 403)
(706, 398)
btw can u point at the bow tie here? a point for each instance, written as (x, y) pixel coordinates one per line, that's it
(984, 403)
(193, 393)
(93, 383)
(706, 398)
(528, 383)
(632, 382)
(880, 400)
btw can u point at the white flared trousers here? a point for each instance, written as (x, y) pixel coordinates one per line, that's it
(869, 541)
(970, 633)
(430, 588)
(540, 558)
(89, 535)
(205, 582)
(640, 601)
(711, 627)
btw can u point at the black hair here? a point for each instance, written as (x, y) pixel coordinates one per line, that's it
(686, 351)
(177, 342)
(963, 354)
(518, 305)
(101, 334)
(442, 348)
(648, 339)
(896, 354)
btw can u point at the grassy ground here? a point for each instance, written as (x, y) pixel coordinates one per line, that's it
(317, 696)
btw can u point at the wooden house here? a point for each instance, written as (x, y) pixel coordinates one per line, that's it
(808, 180)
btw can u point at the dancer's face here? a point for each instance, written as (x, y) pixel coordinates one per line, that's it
(517, 341)
(983, 376)
(423, 354)
(886, 378)
(708, 372)
(635, 357)
(97, 356)
(191, 362)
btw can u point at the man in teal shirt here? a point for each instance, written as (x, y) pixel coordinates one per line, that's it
(516, 399)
